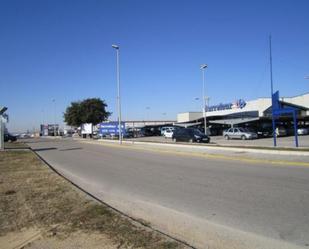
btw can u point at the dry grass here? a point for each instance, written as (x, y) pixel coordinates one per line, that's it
(15, 145)
(32, 195)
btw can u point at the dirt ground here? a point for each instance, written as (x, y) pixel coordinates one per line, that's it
(39, 209)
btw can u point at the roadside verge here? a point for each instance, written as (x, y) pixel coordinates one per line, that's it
(40, 209)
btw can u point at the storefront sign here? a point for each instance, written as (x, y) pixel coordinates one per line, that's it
(238, 104)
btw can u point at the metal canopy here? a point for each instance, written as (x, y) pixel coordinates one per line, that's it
(187, 124)
(233, 121)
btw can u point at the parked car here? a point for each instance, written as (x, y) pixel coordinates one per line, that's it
(163, 129)
(239, 133)
(303, 131)
(264, 132)
(148, 131)
(190, 135)
(281, 131)
(168, 133)
(129, 133)
(9, 138)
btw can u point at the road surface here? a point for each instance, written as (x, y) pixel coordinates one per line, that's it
(209, 202)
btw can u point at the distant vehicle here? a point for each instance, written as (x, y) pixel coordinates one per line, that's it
(24, 135)
(190, 135)
(303, 131)
(87, 130)
(264, 133)
(148, 131)
(265, 130)
(168, 133)
(9, 138)
(129, 133)
(163, 129)
(138, 132)
(281, 131)
(239, 133)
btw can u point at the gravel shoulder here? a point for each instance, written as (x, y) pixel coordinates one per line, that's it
(40, 209)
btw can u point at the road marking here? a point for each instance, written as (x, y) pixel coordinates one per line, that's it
(205, 155)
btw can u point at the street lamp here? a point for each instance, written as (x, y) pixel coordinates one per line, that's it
(203, 67)
(54, 101)
(2, 111)
(118, 93)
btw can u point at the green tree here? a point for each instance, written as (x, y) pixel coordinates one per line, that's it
(92, 110)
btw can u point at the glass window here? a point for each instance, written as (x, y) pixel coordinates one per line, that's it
(197, 132)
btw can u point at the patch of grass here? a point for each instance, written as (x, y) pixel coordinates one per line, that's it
(33, 195)
(15, 145)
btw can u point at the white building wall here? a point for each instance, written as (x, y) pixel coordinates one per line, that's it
(188, 116)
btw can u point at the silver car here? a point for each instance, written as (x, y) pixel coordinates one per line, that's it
(239, 133)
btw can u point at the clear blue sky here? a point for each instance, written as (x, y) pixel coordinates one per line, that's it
(60, 49)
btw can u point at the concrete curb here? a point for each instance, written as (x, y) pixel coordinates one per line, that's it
(205, 148)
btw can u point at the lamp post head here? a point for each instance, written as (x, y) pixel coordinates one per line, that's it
(203, 66)
(3, 110)
(115, 46)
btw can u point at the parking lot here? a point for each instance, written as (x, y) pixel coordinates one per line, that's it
(219, 140)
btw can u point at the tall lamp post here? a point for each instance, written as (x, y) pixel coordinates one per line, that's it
(272, 92)
(54, 101)
(2, 111)
(118, 93)
(203, 67)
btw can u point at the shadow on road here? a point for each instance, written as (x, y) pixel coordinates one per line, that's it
(39, 141)
(44, 149)
(77, 148)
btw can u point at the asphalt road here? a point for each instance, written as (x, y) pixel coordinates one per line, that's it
(245, 203)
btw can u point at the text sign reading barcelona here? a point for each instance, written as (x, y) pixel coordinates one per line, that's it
(238, 104)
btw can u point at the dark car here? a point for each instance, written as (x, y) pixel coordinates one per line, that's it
(190, 135)
(9, 138)
(264, 133)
